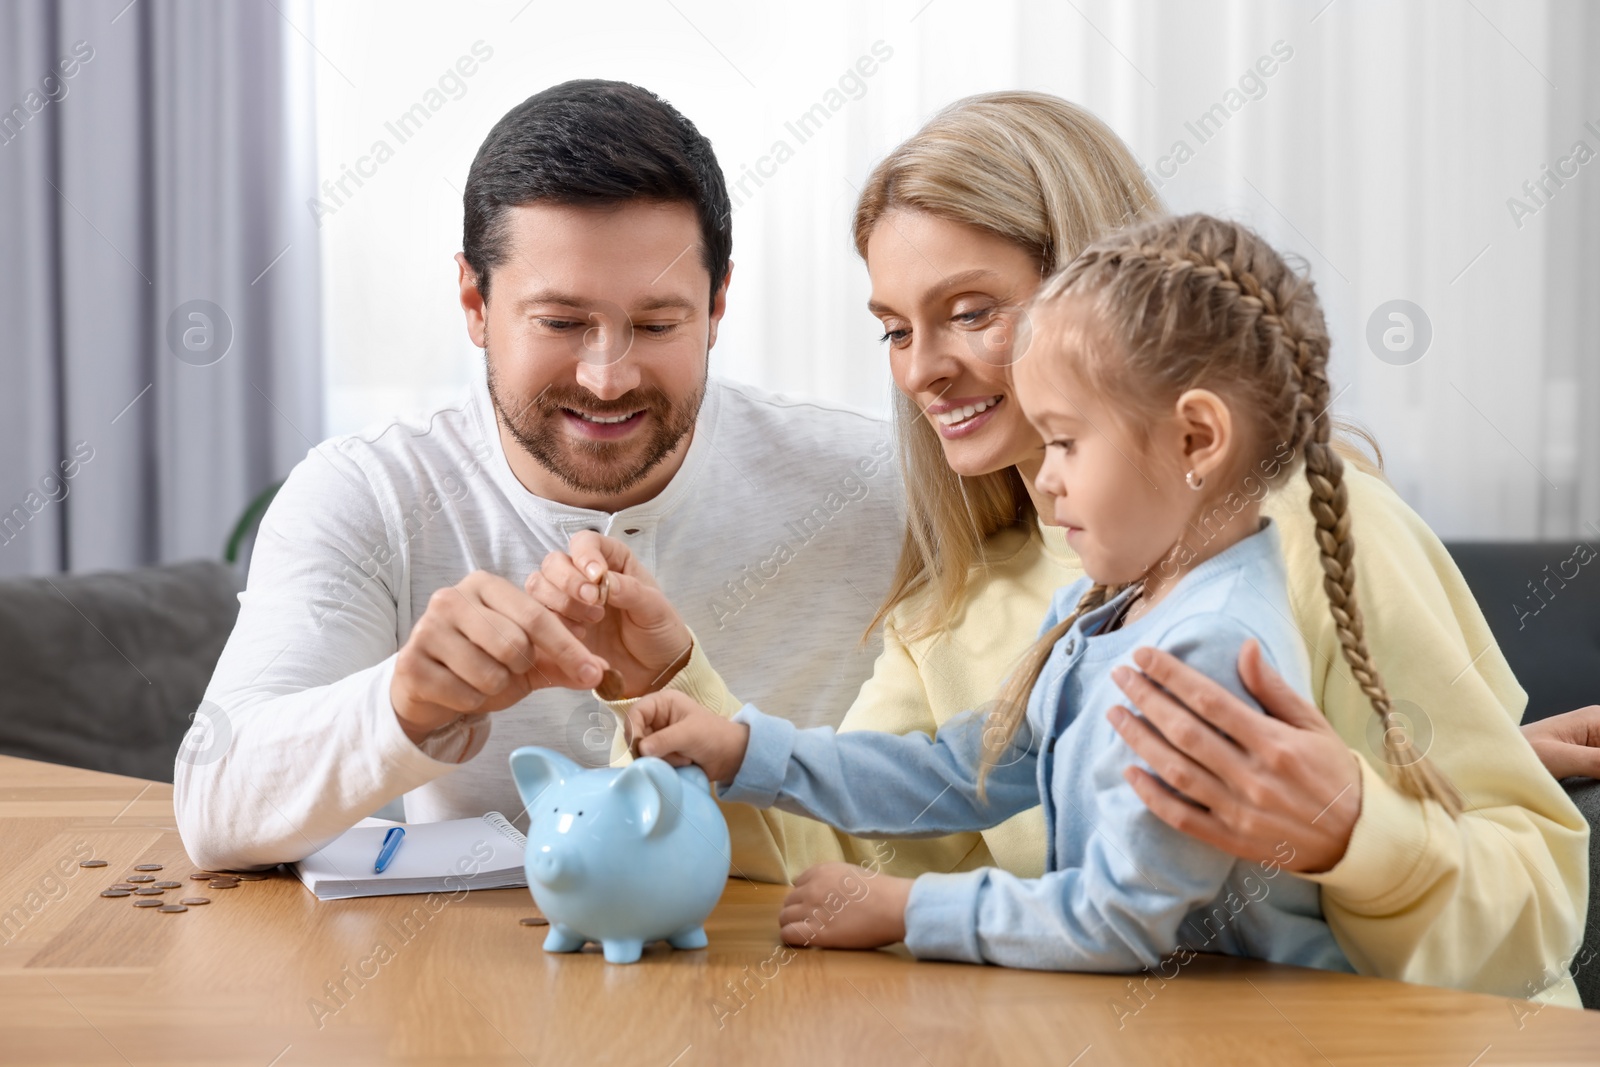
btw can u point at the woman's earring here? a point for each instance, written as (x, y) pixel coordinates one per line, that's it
(1194, 481)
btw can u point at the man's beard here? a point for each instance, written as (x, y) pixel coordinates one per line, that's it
(602, 468)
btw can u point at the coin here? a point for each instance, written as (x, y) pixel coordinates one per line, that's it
(147, 866)
(534, 920)
(115, 893)
(218, 883)
(611, 686)
(605, 589)
(168, 885)
(173, 907)
(248, 877)
(148, 891)
(140, 878)
(202, 876)
(195, 900)
(129, 886)
(147, 903)
(94, 863)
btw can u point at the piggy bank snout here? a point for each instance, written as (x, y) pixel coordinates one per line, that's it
(556, 868)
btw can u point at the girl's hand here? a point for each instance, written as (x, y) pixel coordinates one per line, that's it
(840, 905)
(636, 630)
(1567, 744)
(1282, 787)
(673, 727)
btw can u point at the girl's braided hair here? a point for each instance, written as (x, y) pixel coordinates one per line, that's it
(1200, 302)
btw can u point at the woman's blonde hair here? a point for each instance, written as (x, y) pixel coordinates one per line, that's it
(1199, 302)
(1048, 176)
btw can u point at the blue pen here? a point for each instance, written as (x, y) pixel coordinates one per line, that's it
(391, 842)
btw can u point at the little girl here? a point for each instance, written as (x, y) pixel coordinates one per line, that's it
(1177, 371)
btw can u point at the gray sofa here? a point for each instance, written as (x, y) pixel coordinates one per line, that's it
(1547, 625)
(104, 671)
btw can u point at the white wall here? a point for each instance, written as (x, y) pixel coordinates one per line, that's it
(1383, 150)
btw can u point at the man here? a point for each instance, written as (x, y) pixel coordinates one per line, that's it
(386, 643)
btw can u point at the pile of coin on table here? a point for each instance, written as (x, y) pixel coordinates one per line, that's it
(151, 892)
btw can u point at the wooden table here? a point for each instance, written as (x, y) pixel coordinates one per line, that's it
(255, 979)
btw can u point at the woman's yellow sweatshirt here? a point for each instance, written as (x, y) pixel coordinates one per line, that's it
(1493, 901)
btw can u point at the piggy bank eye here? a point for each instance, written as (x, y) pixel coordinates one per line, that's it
(580, 811)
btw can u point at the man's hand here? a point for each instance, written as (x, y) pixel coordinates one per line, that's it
(636, 630)
(481, 646)
(839, 905)
(673, 727)
(1568, 744)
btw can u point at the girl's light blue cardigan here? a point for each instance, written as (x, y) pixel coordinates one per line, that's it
(1121, 889)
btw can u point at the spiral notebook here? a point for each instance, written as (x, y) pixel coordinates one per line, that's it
(434, 857)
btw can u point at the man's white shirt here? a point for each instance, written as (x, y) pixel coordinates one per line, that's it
(775, 540)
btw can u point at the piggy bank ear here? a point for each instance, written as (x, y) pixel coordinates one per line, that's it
(650, 793)
(537, 769)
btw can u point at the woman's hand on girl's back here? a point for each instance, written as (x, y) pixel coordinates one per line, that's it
(675, 728)
(1282, 787)
(840, 905)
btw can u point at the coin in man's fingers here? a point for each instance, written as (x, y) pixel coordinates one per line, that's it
(611, 685)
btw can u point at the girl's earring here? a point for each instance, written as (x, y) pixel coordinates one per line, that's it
(1194, 481)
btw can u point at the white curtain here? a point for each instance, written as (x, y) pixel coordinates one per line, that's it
(1382, 142)
(159, 280)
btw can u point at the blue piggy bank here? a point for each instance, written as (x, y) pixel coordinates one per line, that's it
(621, 855)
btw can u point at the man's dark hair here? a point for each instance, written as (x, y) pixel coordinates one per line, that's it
(589, 142)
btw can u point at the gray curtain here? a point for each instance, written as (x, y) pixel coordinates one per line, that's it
(159, 322)
(1569, 489)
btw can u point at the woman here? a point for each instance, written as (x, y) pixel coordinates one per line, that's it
(958, 226)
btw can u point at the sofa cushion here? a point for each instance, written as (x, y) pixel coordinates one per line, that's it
(1542, 600)
(104, 671)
